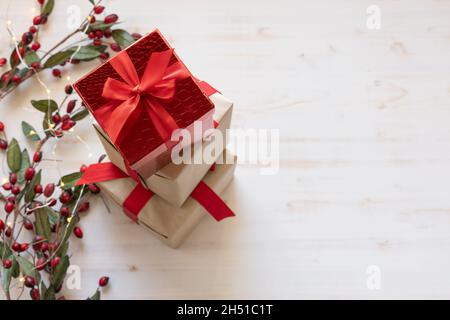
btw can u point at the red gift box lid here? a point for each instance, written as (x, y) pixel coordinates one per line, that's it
(188, 104)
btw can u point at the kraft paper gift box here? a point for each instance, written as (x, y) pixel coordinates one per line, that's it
(171, 224)
(175, 183)
(140, 97)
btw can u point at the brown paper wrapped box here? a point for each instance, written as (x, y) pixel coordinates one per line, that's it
(171, 224)
(175, 183)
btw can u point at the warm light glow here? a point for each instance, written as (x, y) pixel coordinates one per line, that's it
(9, 224)
(71, 130)
(13, 39)
(69, 219)
(5, 180)
(68, 78)
(22, 279)
(89, 18)
(48, 91)
(8, 22)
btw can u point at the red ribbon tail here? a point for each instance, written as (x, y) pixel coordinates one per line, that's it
(216, 207)
(207, 89)
(100, 172)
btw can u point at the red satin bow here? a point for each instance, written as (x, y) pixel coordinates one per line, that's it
(137, 199)
(158, 82)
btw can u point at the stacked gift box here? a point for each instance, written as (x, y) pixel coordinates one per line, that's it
(147, 105)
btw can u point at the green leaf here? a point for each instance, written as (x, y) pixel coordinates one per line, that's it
(28, 269)
(43, 227)
(95, 296)
(57, 59)
(29, 131)
(99, 25)
(14, 156)
(48, 8)
(68, 230)
(93, 2)
(7, 274)
(68, 181)
(45, 105)
(25, 163)
(31, 57)
(47, 293)
(60, 272)
(122, 37)
(29, 195)
(80, 115)
(14, 62)
(46, 122)
(85, 53)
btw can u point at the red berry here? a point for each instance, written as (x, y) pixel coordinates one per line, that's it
(56, 118)
(56, 73)
(32, 29)
(24, 247)
(11, 199)
(91, 35)
(36, 65)
(29, 282)
(115, 47)
(55, 261)
(17, 79)
(37, 20)
(34, 294)
(65, 197)
(51, 202)
(7, 186)
(103, 281)
(27, 37)
(37, 156)
(83, 168)
(13, 177)
(7, 264)
(99, 9)
(49, 189)
(27, 224)
(97, 42)
(29, 173)
(15, 247)
(136, 35)
(78, 232)
(3, 144)
(71, 105)
(38, 242)
(8, 232)
(41, 2)
(9, 207)
(35, 46)
(84, 207)
(68, 124)
(15, 190)
(65, 212)
(98, 34)
(104, 55)
(59, 133)
(93, 188)
(44, 247)
(65, 117)
(2, 225)
(68, 89)
(2, 126)
(2, 62)
(107, 33)
(40, 264)
(111, 18)
(38, 189)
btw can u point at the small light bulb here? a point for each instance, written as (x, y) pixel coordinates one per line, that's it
(48, 91)
(22, 279)
(5, 180)
(9, 224)
(90, 155)
(69, 219)
(68, 78)
(13, 39)
(9, 22)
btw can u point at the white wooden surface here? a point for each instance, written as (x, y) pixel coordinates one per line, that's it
(364, 179)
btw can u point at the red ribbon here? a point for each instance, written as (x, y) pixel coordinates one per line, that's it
(158, 83)
(138, 198)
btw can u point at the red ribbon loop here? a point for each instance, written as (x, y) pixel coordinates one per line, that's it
(158, 83)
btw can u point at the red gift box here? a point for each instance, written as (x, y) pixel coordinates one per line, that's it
(140, 96)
